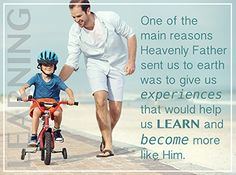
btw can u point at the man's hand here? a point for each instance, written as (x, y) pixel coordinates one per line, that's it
(129, 68)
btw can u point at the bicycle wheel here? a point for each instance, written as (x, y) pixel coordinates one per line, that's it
(42, 154)
(64, 153)
(48, 148)
(42, 150)
(23, 153)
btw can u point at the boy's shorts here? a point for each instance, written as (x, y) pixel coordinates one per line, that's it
(34, 105)
(108, 79)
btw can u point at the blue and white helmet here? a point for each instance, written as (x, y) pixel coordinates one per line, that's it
(47, 57)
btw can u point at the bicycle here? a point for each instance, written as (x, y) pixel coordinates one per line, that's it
(46, 143)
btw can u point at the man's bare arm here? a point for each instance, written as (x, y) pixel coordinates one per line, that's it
(66, 72)
(132, 47)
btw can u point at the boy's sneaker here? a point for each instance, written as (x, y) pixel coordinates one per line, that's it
(57, 135)
(33, 141)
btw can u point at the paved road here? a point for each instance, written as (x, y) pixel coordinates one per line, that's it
(82, 151)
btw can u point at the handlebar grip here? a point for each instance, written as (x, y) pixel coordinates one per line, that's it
(19, 99)
(76, 103)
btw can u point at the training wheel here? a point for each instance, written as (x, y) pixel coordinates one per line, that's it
(23, 153)
(64, 153)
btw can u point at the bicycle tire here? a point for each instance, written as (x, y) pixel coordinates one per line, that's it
(23, 153)
(42, 150)
(64, 153)
(48, 148)
(43, 154)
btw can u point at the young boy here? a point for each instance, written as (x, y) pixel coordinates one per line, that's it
(47, 89)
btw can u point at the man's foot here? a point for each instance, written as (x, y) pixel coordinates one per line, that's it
(57, 135)
(105, 153)
(33, 141)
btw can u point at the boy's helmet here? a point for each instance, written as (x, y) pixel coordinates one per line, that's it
(47, 57)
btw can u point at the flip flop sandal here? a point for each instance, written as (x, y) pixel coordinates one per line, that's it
(102, 145)
(110, 153)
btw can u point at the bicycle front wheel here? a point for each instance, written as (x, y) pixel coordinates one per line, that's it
(48, 148)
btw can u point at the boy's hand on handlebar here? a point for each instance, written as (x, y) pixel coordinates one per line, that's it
(24, 98)
(71, 101)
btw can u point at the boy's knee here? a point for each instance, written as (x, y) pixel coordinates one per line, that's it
(36, 112)
(57, 113)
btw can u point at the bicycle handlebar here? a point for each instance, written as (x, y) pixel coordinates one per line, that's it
(42, 104)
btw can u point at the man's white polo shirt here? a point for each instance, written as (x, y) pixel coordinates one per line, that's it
(108, 46)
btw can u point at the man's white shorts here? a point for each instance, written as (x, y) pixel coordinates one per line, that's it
(106, 78)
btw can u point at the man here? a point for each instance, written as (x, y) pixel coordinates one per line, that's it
(99, 37)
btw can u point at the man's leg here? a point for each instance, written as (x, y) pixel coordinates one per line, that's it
(115, 111)
(103, 117)
(115, 88)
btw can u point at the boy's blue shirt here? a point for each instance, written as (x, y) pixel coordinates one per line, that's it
(49, 89)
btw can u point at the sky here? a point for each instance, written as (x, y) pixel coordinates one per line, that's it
(49, 26)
